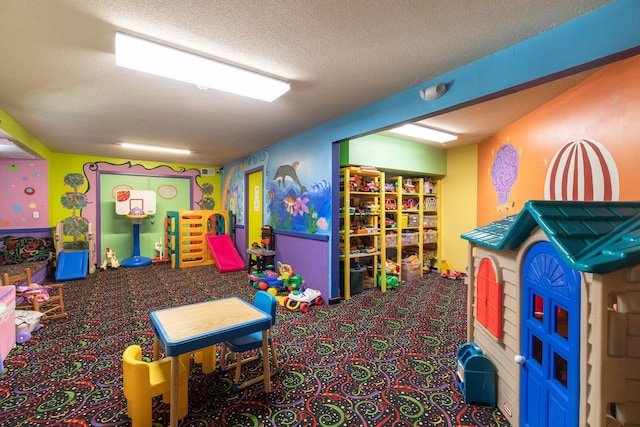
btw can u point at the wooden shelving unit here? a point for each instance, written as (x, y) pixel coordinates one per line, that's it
(431, 225)
(387, 219)
(361, 231)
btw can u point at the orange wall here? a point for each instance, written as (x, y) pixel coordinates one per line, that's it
(604, 107)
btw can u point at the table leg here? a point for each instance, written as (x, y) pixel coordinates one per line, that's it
(156, 348)
(173, 409)
(265, 361)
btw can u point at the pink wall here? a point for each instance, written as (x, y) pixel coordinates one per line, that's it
(582, 145)
(25, 191)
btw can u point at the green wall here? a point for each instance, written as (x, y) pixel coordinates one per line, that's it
(63, 164)
(393, 154)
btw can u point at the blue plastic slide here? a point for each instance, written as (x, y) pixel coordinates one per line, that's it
(72, 265)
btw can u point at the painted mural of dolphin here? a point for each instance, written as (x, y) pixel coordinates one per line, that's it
(288, 173)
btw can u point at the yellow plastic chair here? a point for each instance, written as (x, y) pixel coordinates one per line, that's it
(143, 381)
(207, 358)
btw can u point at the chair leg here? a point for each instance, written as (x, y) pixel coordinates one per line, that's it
(139, 410)
(274, 358)
(63, 312)
(238, 367)
(223, 358)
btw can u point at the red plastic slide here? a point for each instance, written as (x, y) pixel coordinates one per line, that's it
(224, 253)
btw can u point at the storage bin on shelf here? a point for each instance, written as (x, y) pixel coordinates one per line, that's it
(430, 221)
(391, 240)
(410, 238)
(430, 203)
(430, 236)
(413, 220)
(429, 258)
(429, 254)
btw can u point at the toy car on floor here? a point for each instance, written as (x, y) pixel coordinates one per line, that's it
(27, 321)
(302, 300)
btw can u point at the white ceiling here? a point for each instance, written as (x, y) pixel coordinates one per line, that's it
(58, 77)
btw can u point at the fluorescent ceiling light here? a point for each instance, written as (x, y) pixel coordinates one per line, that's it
(422, 132)
(153, 148)
(149, 57)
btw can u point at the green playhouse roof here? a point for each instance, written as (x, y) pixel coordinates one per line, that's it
(594, 237)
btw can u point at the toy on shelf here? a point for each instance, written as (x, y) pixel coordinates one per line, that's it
(409, 204)
(110, 260)
(429, 187)
(356, 183)
(302, 300)
(390, 187)
(408, 187)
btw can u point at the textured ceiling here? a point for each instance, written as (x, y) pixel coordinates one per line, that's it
(58, 77)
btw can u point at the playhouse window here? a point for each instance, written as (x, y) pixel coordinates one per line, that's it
(612, 302)
(562, 322)
(536, 349)
(538, 307)
(489, 298)
(560, 369)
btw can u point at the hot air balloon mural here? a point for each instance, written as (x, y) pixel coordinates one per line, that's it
(582, 170)
(504, 172)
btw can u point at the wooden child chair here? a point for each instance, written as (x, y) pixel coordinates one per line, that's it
(47, 299)
(144, 380)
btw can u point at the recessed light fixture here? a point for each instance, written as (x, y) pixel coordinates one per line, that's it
(425, 133)
(153, 58)
(154, 148)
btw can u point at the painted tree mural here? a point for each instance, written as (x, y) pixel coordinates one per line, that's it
(207, 202)
(75, 226)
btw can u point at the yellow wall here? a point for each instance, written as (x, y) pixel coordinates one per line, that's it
(458, 204)
(62, 164)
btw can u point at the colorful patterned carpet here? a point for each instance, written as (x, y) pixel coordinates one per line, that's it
(375, 360)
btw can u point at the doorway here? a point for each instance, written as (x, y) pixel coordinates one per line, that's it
(255, 206)
(550, 375)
